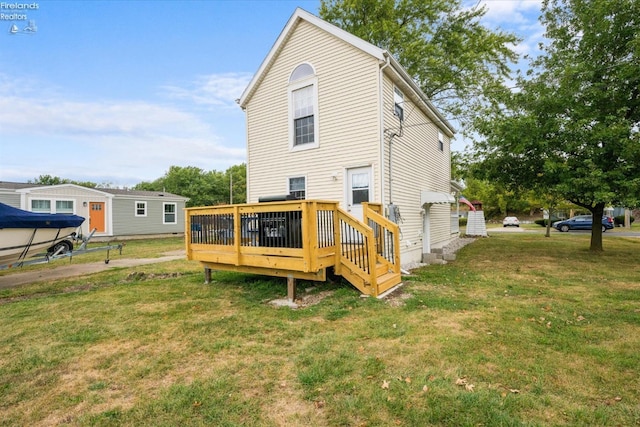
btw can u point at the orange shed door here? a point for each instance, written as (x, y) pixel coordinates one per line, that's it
(96, 216)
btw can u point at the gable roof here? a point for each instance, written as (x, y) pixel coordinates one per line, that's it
(382, 55)
(26, 187)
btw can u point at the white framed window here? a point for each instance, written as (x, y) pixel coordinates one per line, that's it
(41, 206)
(298, 187)
(170, 213)
(64, 206)
(303, 108)
(141, 209)
(440, 141)
(398, 103)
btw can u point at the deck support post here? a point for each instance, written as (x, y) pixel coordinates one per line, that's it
(291, 288)
(207, 276)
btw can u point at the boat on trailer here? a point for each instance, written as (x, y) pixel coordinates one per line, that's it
(25, 234)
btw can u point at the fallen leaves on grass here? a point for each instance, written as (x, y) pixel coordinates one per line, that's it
(385, 385)
(462, 382)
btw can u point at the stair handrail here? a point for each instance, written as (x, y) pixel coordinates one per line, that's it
(363, 265)
(385, 226)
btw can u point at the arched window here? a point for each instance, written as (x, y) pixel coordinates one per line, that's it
(302, 71)
(303, 107)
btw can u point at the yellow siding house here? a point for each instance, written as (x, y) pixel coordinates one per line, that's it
(333, 117)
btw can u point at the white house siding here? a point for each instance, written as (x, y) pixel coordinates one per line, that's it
(346, 118)
(417, 164)
(79, 195)
(11, 199)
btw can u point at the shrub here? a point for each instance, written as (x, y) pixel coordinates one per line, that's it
(462, 221)
(619, 220)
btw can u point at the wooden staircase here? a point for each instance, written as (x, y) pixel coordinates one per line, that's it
(312, 235)
(374, 239)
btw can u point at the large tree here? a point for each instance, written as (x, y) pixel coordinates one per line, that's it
(455, 59)
(573, 128)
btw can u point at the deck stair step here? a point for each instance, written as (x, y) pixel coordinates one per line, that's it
(388, 281)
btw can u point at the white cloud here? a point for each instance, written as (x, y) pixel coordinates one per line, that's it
(513, 13)
(214, 89)
(43, 131)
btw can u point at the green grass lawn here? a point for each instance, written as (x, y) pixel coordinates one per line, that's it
(519, 330)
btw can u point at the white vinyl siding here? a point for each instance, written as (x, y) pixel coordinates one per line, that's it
(417, 165)
(350, 133)
(348, 111)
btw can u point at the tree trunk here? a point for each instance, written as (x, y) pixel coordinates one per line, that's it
(548, 232)
(596, 229)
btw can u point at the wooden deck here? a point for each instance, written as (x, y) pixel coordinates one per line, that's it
(297, 239)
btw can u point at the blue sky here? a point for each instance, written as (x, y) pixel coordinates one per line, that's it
(116, 92)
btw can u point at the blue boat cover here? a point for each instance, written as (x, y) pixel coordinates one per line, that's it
(11, 217)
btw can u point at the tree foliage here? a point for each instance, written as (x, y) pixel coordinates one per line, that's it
(572, 131)
(456, 60)
(203, 188)
(55, 180)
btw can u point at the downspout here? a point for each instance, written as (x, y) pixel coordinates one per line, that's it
(393, 135)
(382, 145)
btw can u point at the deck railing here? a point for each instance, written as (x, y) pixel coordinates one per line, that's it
(296, 238)
(387, 239)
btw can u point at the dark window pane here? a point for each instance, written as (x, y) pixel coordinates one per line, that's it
(360, 196)
(304, 130)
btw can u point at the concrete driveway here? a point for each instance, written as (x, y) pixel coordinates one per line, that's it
(16, 278)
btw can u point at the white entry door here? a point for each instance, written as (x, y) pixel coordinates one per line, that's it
(358, 190)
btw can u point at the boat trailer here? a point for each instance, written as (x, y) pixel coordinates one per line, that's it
(63, 252)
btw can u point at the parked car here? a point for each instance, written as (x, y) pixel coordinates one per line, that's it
(582, 222)
(510, 221)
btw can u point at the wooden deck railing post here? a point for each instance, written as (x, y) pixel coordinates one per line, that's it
(365, 212)
(371, 248)
(310, 240)
(337, 240)
(187, 232)
(237, 232)
(396, 252)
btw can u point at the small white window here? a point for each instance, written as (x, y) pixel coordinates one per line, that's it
(298, 187)
(64, 206)
(440, 141)
(170, 216)
(41, 206)
(398, 103)
(141, 209)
